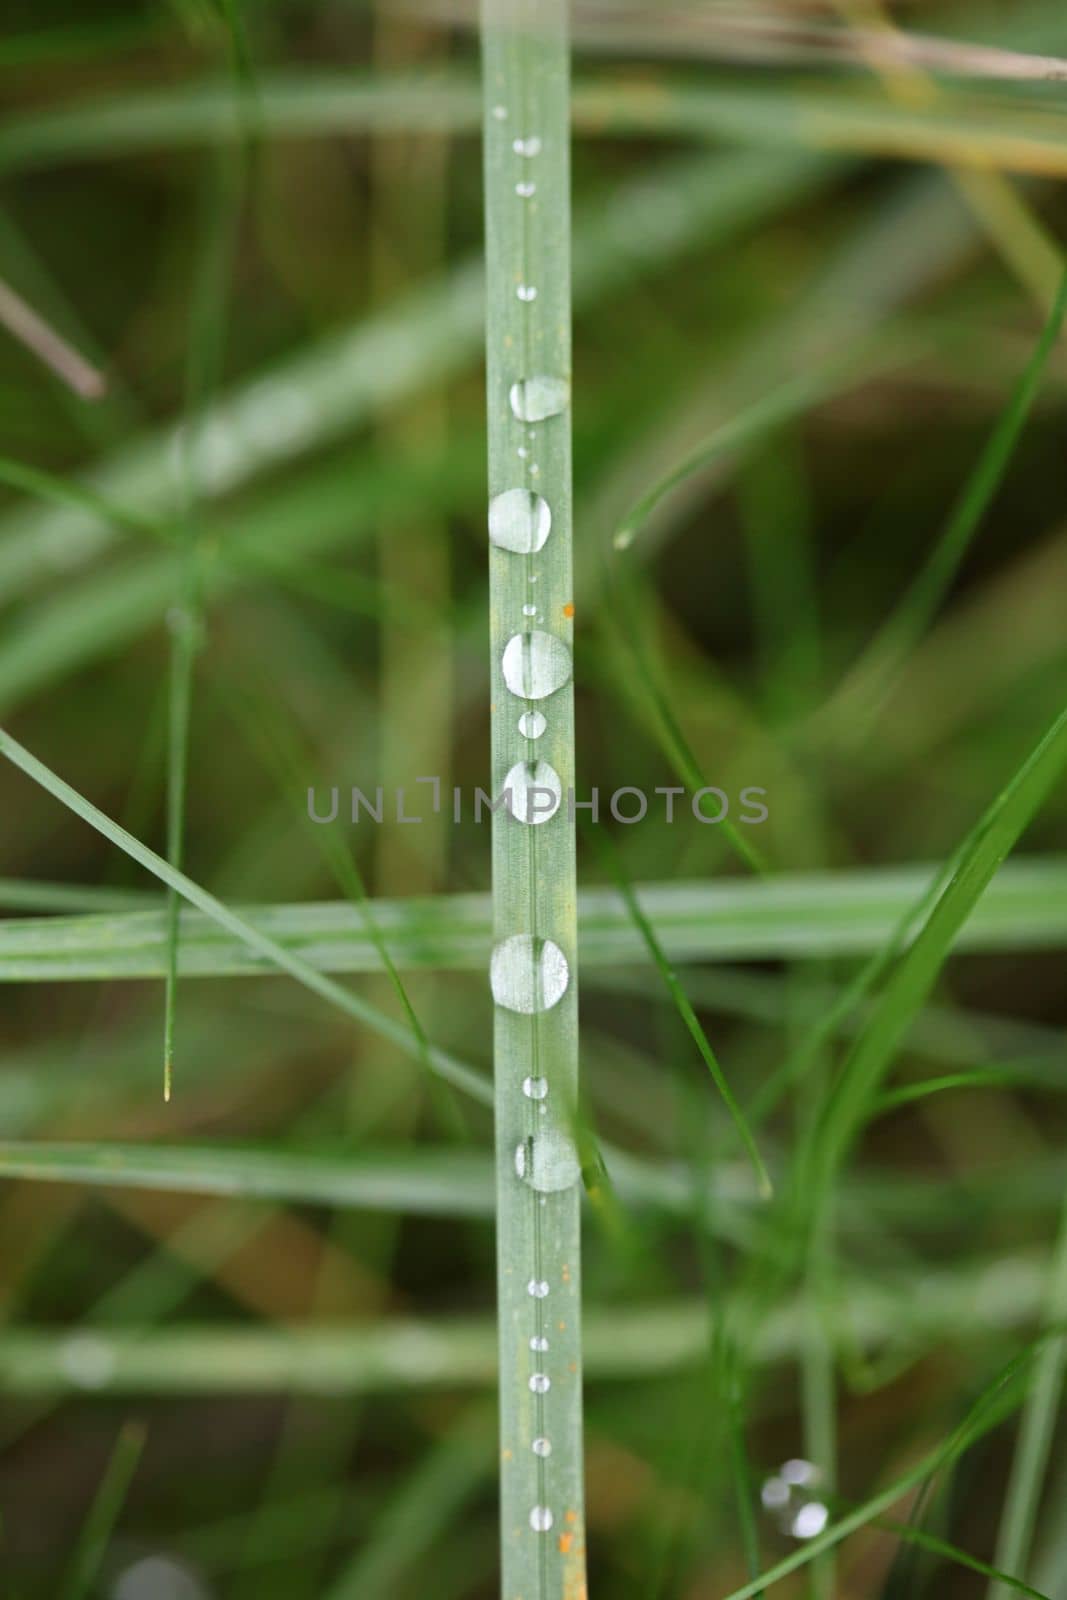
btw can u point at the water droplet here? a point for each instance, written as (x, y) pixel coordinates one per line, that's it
(541, 1519)
(541, 1447)
(500, 113)
(158, 1577)
(539, 1343)
(532, 724)
(550, 1163)
(537, 1288)
(540, 1383)
(519, 520)
(775, 1494)
(536, 792)
(534, 399)
(530, 146)
(522, 452)
(810, 1520)
(528, 975)
(526, 191)
(799, 1472)
(529, 611)
(535, 665)
(88, 1360)
(535, 1088)
(520, 1159)
(527, 292)
(535, 470)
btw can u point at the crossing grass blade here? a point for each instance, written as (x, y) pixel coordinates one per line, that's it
(456, 1072)
(690, 1019)
(916, 972)
(791, 916)
(105, 1511)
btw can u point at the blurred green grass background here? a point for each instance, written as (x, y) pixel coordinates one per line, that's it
(263, 223)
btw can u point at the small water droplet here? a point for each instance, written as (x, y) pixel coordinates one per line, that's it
(537, 398)
(158, 1577)
(540, 1383)
(541, 1447)
(88, 1360)
(550, 1163)
(810, 1520)
(535, 470)
(541, 1519)
(522, 452)
(529, 611)
(799, 1471)
(520, 1159)
(539, 1343)
(535, 1088)
(526, 292)
(520, 521)
(532, 724)
(528, 975)
(535, 664)
(537, 1288)
(500, 113)
(775, 1494)
(536, 792)
(530, 146)
(526, 191)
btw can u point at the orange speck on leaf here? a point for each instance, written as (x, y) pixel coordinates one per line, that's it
(565, 1542)
(568, 610)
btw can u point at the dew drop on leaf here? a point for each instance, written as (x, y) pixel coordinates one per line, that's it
(537, 398)
(535, 665)
(520, 521)
(528, 975)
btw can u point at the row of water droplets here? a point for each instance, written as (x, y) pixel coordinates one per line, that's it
(529, 973)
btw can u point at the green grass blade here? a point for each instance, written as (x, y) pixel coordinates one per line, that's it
(959, 129)
(622, 1342)
(1037, 1429)
(322, 394)
(526, 87)
(856, 702)
(987, 1411)
(691, 1020)
(916, 972)
(447, 1066)
(794, 915)
(431, 1500)
(106, 1508)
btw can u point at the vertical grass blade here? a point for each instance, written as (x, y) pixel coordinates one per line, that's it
(533, 973)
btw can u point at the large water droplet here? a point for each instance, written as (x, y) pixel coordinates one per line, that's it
(536, 791)
(527, 974)
(540, 1383)
(550, 1163)
(534, 399)
(519, 520)
(537, 1288)
(530, 146)
(541, 1447)
(526, 292)
(535, 664)
(541, 1519)
(810, 1520)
